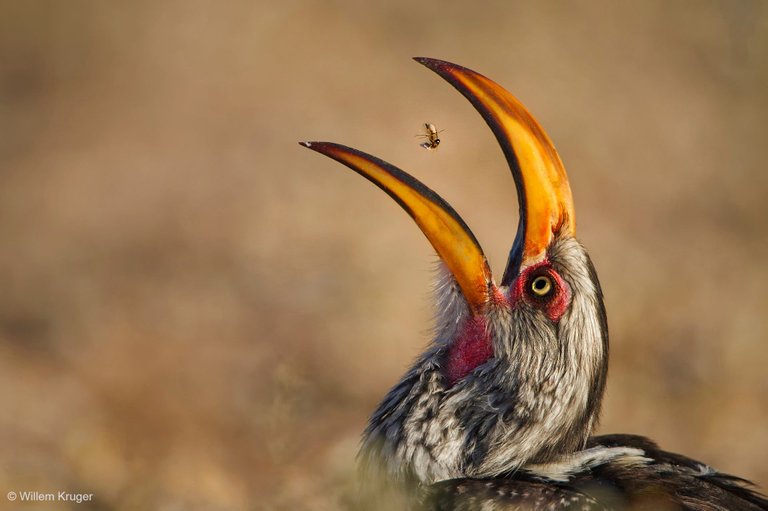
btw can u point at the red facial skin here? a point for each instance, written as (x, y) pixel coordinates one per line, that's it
(555, 304)
(473, 346)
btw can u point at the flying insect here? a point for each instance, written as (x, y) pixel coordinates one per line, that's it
(431, 136)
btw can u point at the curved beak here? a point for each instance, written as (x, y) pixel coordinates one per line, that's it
(544, 195)
(546, 204)
(446, 231)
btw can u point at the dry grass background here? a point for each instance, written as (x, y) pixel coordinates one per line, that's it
(196, 313)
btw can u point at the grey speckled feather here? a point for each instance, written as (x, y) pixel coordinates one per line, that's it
(606, 479)
(537, 398)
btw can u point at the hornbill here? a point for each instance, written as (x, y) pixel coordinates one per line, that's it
(497, 413)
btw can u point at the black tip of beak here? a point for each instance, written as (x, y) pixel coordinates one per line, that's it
(433, 64)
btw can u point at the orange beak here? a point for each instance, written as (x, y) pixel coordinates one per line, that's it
(546, 203)
(443, 227)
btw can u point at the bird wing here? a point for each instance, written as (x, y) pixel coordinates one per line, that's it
(656, 480)
(506, 494)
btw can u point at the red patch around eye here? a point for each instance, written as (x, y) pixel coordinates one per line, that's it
(553, 306)
(556, 307)
(471, 349)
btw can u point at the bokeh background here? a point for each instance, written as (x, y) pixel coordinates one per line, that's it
(196, 313)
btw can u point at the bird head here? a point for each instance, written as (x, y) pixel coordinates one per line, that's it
(516, 371)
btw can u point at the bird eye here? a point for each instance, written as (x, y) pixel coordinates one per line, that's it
(437, 141)
(541, 285)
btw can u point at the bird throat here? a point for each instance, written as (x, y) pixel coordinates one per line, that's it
(470, 349)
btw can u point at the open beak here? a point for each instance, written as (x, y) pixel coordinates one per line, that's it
(546, 205)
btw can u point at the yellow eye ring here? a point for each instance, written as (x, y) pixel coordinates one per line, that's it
(541, 285)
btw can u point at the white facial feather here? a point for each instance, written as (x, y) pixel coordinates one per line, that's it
(528, 404)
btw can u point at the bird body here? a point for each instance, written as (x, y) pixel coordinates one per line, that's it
(526, 403)
(498, 412)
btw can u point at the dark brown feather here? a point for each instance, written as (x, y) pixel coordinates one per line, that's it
(665, 482)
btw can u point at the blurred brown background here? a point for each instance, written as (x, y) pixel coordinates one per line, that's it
(196, 313)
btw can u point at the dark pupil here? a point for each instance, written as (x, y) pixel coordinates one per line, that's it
(540, 283)
(437, 141)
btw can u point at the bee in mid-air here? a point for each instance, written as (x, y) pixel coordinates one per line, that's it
(430, 133)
